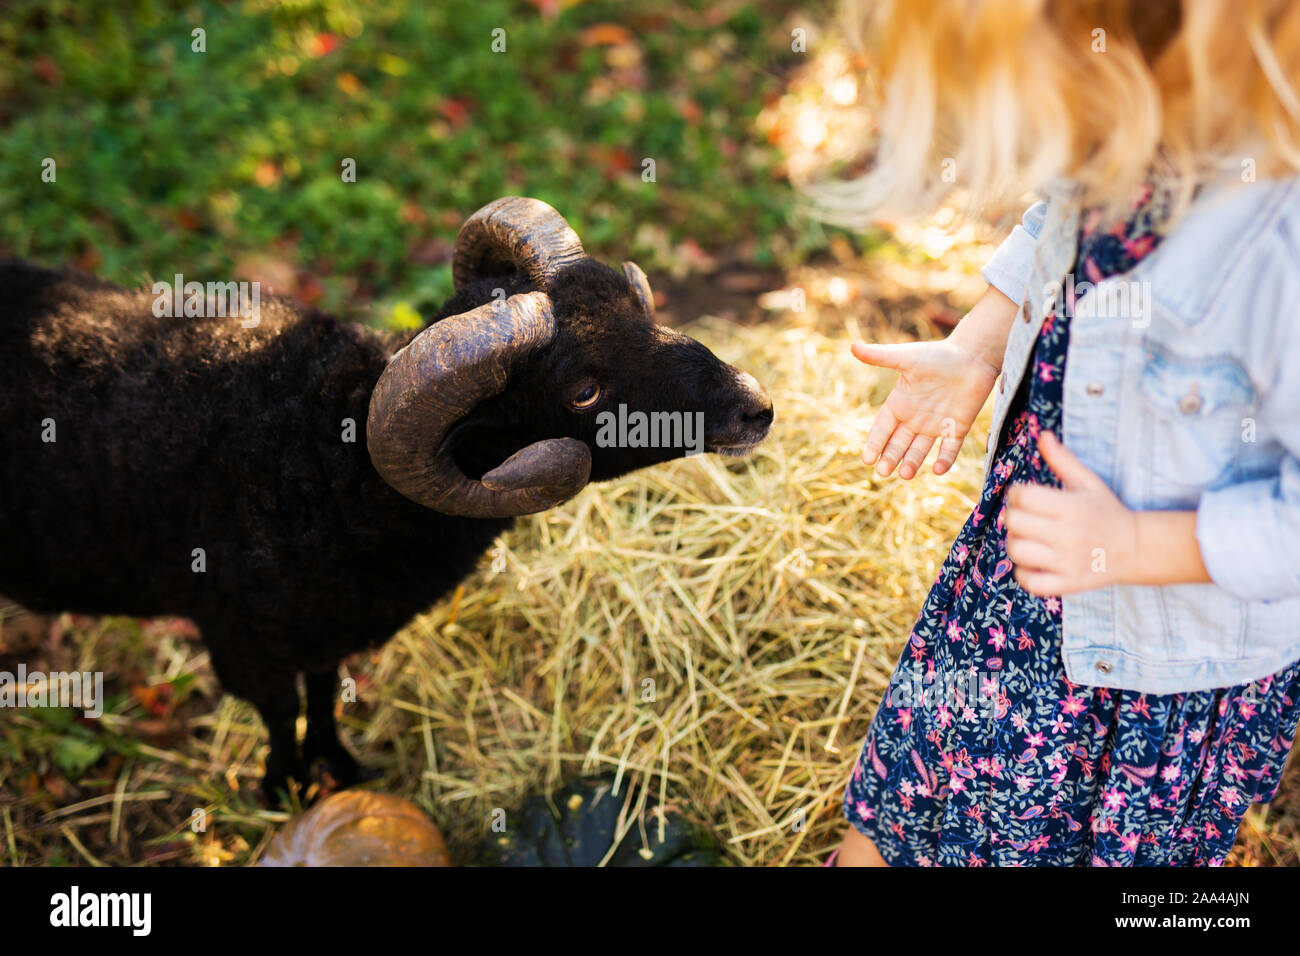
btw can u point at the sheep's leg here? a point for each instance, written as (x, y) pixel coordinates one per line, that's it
(280, 715)
(278, 709)
(272, 688)
(322, 742)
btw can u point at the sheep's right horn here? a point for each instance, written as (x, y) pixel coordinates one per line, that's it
(514, 234)
(439, 377)
(640, 285)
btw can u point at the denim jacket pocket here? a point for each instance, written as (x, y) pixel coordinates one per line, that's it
(1203, 624)
(1199, 408)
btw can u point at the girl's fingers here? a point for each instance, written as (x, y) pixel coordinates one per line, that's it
(1034, 555)
(1072, 472)
(948, 449)
(915, 456)
(1027, 524)
(899, 357)
(1040, 583)
(1035, 499)
(881, 431)
(894, 451)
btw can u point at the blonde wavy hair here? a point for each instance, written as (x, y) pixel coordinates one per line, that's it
(1008, 95)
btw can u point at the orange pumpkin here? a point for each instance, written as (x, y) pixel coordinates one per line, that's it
(358, 828)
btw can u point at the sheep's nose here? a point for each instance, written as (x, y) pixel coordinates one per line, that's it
(758, 409)
(759, 415)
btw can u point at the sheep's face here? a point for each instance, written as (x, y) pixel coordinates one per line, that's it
(636, 393)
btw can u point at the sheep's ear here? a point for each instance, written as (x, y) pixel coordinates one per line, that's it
(640, 285)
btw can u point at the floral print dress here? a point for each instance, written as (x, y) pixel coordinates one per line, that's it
(984, 753)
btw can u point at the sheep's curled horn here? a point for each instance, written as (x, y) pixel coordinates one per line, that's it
(463, 359)
(514, 234)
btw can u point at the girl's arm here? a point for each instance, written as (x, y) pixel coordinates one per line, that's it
(1168, 551)
(1008, 270)
(985, 328)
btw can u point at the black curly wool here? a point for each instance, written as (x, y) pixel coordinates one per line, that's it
(179, 436)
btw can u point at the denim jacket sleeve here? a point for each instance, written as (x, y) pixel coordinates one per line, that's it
(1249, 533)
(1008, 270)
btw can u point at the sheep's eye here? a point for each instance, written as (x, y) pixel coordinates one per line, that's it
(587, 397)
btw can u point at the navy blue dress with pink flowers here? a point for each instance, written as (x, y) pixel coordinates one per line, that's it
(984, 753)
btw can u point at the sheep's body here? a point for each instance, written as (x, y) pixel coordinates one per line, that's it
(232, 475)
(224, 439)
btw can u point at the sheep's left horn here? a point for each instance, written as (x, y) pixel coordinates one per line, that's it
(514, 234)
(434, 382)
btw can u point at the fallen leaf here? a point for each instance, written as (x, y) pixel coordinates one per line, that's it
(154, 698)
(613, 160)
(55, 786)
(267, 174)
(47, 71)
(605, 34)
(454, 111)
(547, 8)
(310, 289)
(323, 44)
(88, 260)
(413, 213)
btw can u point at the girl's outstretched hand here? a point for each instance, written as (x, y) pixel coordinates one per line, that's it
(941, 388)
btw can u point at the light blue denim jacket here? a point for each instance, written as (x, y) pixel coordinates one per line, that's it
(1182, 391)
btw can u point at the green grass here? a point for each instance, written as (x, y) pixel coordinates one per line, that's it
(170, 160)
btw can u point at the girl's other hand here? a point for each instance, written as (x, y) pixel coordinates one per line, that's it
(1080, 536)
(1075, 538)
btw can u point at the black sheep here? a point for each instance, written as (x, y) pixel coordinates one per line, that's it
(128, 441)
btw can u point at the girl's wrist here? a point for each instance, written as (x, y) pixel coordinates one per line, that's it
(1165, 551)
(977, 346)
(982, 332)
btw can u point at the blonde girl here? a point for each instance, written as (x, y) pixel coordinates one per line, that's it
(1105, 671)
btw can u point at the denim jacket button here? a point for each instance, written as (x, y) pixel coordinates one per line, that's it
(1190, 403)
(1095, 388)
(1104, 667)
(1002, 384)
(1024, 311)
